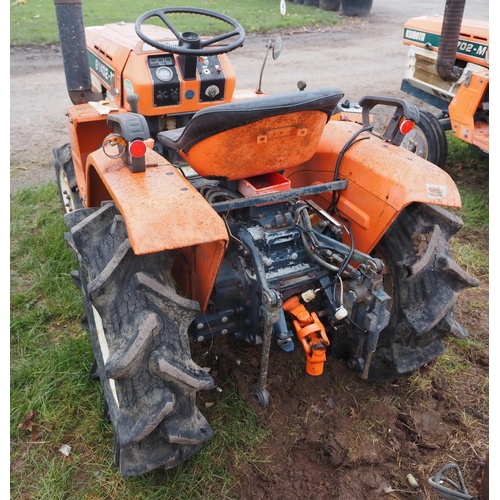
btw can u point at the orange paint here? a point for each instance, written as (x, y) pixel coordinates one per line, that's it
(119, 47)
(382, 180)
(462, 109)
(472, 31)
(262, 147)
(163, 211)
(311, 333)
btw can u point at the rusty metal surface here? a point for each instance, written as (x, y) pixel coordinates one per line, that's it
(382, 180)
(161, 209)
(268, 145)
(222, 206)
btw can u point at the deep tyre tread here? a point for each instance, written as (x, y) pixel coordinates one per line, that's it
(138, 326)
(424, 284)
(66, 179)
(428, 140)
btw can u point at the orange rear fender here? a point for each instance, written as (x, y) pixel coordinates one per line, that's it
(382, 180)
(163, 211)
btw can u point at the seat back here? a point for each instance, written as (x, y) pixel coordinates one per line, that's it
(254, 137)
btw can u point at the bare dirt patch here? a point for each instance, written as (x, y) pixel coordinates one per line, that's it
(337, 436)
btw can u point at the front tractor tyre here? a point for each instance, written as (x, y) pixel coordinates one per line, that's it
(428, 140)
(66, 179)
(138, 327)
(424, 282)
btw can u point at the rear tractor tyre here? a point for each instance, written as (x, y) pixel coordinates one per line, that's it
(66, 179)
(479, 152)
(138, 327)
(428, 140)
(423, 281)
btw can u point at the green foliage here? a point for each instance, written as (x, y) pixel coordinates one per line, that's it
(471, 255)
(463, 156)
(34, 22)
(50, 362)
(470, 248)
(470, 170)
(475, 208)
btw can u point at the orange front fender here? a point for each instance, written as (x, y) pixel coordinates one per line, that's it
(463, 109)
(163, 211)
(382, 180)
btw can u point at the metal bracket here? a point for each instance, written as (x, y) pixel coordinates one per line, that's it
(270, 311)
(369, 311)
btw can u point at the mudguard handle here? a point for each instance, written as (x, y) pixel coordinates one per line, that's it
(404, 110)
(130, 126)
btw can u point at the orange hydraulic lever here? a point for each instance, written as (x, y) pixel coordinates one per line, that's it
(311, 333)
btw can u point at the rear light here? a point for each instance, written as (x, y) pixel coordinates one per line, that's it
(137, 149)
(406, 126)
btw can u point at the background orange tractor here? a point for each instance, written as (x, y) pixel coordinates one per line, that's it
(198, 211)
(448, 68)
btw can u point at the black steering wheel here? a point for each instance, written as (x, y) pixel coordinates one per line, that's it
(190, 43)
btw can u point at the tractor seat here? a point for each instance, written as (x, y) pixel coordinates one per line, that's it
(253, 137)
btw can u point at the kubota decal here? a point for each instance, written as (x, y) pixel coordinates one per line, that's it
(100, 68)
(464, 46)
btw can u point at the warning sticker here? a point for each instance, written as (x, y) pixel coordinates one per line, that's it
(435, 191)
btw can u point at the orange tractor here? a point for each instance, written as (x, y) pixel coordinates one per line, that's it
(448, 68)
(196, 210)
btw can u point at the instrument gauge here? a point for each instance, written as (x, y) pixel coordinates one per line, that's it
(164, 74)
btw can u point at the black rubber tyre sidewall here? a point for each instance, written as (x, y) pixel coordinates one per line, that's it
(66, 179)
(114, 299)
(424, 291)
(481, 153)
(423, 283)
(434, 134)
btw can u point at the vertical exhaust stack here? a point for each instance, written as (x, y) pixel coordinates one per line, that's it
(450, 33)
(74, 51)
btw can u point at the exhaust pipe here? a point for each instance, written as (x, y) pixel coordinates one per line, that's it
(74, 51)
(450, 33)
